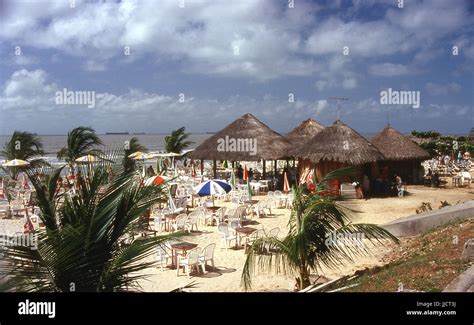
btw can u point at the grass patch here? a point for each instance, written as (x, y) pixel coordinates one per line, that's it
(428, 262)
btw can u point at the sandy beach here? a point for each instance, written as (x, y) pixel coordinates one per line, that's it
(229, 263)
(226, 276)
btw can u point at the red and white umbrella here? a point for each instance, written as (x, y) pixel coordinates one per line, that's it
(286, 185)
(156, 180)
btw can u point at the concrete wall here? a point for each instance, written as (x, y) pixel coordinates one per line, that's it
(419, 223)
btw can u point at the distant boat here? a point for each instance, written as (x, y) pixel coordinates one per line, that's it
(139, 133)
(116, 133)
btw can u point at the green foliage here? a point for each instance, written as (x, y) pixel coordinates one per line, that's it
(133, 146)
(24, 146)
(425, 134)
(81, 141)
(83, 245)
(305, 248)
(437, 144)
(176, 141)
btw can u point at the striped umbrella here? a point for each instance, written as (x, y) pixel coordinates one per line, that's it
(212, 187)
(156, 180)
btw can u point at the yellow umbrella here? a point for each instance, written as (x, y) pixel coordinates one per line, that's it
(88, 158)
(15, 163)
(142, 156)
(135, 154)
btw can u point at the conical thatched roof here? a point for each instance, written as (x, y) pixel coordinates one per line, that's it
(304, 132)
(270, 145)
(339, 143)
(395, 146)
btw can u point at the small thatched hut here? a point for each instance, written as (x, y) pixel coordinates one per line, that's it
(304, 132)
(402, 156)
(245, 139)
(335, 147)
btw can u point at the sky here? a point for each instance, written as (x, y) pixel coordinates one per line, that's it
(154, 66)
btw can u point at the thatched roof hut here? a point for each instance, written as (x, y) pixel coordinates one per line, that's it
(245, 139)
(304, 132)
(339, 143)
(396, 146)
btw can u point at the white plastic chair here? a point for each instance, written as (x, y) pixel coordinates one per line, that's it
(192, 221)
(207, 255)
(235, 201)
(220, 215)
(162, 256)
(230, 214)
(191, 259)
(179, 222)
(253, 237)
(204, 215)
(225, 235)
(273, 232)
(259, 208)
(241, 212)
(159, 221)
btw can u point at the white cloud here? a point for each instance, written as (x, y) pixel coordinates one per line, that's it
(271, 38)
(442, 90)
(390, 70)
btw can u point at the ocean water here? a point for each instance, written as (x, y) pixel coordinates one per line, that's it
(153, 142)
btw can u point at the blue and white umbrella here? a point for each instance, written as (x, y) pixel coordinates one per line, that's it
(212, 187)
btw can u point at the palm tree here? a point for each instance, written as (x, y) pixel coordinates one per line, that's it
(82, 247)
(24, 146)
(176, 141)
(80, 141)
(132, 147)
(308, 246)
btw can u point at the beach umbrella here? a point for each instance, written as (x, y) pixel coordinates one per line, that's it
(88, 158)
(16, 163)
(156, 180)
(286, 185)
(246, 173)
(135, 154)
(212, 187)
(140, 156)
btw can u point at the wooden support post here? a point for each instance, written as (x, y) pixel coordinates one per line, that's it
(215, 169)
(264, 176)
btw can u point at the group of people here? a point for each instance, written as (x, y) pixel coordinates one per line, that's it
(381, 185)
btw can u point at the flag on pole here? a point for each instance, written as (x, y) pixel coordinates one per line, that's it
(246, 174)
(286, 185)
